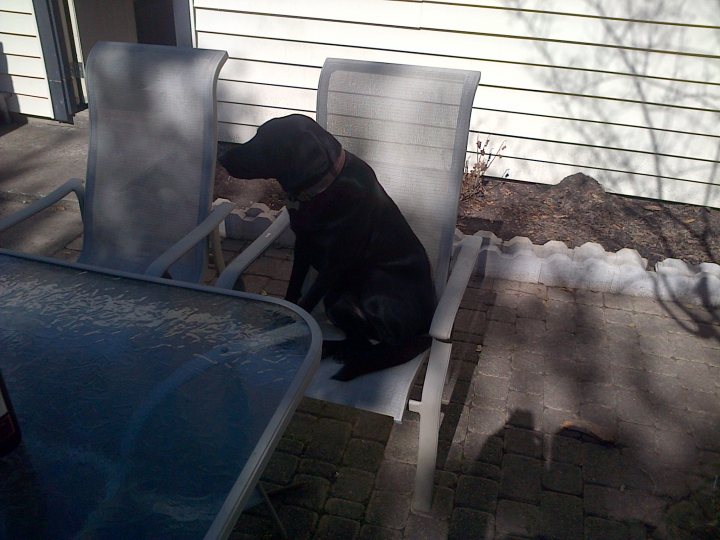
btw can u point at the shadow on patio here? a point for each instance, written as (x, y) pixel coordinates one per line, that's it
(570, 414)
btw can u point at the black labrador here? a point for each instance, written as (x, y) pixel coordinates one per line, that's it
(373, 272)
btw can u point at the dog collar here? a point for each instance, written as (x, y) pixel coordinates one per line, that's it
(322, 184)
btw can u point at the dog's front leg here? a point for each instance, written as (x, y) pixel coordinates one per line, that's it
(300, 268)
(317, 290)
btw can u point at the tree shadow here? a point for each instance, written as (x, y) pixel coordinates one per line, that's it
(626, 429)
(570, 483)
(639, 44)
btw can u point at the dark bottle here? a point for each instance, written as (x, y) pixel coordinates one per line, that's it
(9, 427)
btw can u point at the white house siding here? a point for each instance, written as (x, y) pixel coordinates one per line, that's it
(22, 69)
(628, 92)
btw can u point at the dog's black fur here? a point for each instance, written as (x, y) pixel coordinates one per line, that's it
(373, 271)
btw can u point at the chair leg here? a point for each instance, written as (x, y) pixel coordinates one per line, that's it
(217, 251)
(429, 409)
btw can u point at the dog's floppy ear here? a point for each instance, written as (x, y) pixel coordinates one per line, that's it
(293, 149)
(312, 157)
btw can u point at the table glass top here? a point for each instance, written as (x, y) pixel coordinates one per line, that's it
(139, 403)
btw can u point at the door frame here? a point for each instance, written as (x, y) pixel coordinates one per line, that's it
(56, 42)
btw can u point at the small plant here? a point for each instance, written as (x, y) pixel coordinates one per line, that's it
(474, 179)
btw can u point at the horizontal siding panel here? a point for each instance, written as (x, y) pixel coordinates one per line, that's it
(505, 124)
(24, 85)
(23, 72)
(17, 6)
(479, 19)
(544, 26)
(24, 66)
(600, 158)
(497, 98)
(314, 54)
(367, 11)
(252, 116)
(235, 132)
(265, 95)
(530, 78)
(17, 23)
(578, 155)
(603, 86)
(20, 45)
(462, 46)
(269, 73)
(31, 105)
(565, 91)
(583, 132)
(699, 12)
(579, 107)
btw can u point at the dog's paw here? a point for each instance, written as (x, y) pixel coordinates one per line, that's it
(347, 373)
(332, 348)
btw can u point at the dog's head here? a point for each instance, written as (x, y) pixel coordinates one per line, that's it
(293, 149)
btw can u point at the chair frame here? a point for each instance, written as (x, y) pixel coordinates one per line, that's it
(450, 289)
(207, 227)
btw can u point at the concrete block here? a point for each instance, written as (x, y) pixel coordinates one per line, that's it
(524, 267)
(707, 288)
(489, 238)
(486, 256)
(710, 268)
(558, 271)
(677, 287)
(234, 225)
(256, 209)
(595, 275)
(239, 225)
(674, 266)
(589, 250)
(627, 256)
(254, 226)
(551, 248)
(517, 244)
(634, 281)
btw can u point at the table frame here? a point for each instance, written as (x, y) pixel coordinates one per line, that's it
(244, 485)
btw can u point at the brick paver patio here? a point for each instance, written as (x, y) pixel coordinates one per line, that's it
(643, 375)
(527, 359)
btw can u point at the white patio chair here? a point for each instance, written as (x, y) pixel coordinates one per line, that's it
(146, 200)
(410, 123)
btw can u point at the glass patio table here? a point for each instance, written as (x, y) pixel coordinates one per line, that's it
(148, 408)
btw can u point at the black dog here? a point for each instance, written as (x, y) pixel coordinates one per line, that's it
(373, 271)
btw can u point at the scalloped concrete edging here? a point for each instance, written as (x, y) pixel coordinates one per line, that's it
(249, 223)
(553, 263)
(591, 267)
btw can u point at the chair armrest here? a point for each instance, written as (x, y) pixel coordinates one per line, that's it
(240, 263)
(449, 303)
(72, 185)
(158, 267)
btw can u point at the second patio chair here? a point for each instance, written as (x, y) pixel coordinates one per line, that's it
(146, 201)
(411, 124)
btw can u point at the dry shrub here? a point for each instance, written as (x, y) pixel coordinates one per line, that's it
(474, 179)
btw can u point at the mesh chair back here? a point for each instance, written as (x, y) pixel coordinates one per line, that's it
(152, 153)
(410, 124)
